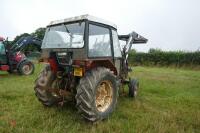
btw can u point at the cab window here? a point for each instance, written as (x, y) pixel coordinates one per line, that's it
(99, 41)
(116, 44)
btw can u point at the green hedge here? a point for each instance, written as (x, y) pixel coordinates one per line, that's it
(165, 58)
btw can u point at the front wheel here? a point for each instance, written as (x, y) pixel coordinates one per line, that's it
(26, 68)
(133, 87)
(97, 94)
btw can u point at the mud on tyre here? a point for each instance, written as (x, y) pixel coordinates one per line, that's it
(42, 84)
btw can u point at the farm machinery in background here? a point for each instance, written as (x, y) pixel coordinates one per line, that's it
(13, 57)
(86, 63)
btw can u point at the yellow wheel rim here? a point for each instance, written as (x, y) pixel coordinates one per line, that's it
(104, 95)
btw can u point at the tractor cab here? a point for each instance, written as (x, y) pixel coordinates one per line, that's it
(86, 42)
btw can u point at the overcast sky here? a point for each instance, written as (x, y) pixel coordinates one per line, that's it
(168, 24)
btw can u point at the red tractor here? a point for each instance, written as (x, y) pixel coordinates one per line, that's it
(13, 59)
(86, 63)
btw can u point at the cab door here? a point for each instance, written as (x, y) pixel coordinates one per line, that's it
(3, 56)
(117, 51)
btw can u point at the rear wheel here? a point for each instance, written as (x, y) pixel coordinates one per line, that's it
(43, 84)
(97, 94)
(26, 68)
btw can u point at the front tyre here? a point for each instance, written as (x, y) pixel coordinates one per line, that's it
(97, 94)
(133, 87)
(26, 68)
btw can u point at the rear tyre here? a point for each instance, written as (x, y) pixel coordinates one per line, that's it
(133, 88)
(42, 84)
(26, 68)
(97, 93)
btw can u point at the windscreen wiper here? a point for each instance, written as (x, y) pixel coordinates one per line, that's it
(70, 34)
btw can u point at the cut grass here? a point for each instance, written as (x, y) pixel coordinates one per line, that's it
(168, 101)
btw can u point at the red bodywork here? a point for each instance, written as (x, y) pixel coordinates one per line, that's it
(19, 57)
(53, 65)
(4, 67)
(90, 64)
(86, 64)
(16, 59)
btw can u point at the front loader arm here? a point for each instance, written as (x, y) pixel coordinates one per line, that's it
(132, 38)
(23, 42)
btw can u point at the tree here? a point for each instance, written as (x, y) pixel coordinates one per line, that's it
(154, 50)
(39, 33)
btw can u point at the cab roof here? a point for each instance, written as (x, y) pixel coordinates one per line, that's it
(83, 17)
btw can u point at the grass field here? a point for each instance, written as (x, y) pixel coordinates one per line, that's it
(169, 101)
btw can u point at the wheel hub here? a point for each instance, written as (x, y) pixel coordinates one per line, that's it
(26, 69)
(104, 95)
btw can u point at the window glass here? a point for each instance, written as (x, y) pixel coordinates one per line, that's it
(99, 41)
(2, 48)
(116, 44)
(64, 36)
